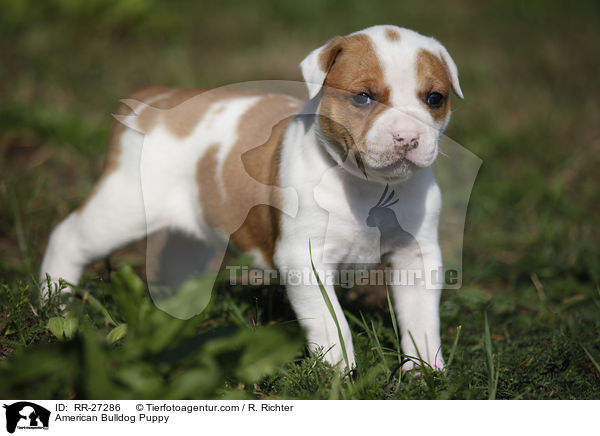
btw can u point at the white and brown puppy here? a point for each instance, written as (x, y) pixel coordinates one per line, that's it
(381, 97)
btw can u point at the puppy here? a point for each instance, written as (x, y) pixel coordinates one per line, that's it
(327, 172)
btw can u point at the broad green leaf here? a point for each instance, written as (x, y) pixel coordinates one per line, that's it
(70, 325)
(117, 333)
(56, 325)
(267, 349)
(191, 298)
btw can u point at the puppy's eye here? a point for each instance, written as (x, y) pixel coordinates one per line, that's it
(362, 99)
(435, 99)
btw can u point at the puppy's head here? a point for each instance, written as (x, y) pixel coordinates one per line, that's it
(384, 98)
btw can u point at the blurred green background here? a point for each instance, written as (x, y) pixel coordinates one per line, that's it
(529, 72)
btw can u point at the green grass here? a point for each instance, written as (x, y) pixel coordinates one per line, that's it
(330, 309)
(526, 323)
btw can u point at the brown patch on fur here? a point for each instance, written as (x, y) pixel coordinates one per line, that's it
(353, 68)
(249, 179)
(392, 34)
(432, 76)
(181, 110)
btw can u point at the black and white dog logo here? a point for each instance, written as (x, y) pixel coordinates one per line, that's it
(26, 415)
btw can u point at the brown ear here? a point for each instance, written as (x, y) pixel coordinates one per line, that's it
(317, 64)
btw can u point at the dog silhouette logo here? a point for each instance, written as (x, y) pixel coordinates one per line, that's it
(26, 415)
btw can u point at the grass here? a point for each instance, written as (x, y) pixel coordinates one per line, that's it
(525, 324)
(330, 309)
(493, 369)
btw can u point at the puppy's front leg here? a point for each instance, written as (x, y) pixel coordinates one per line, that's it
(314, 316)
(417, 304)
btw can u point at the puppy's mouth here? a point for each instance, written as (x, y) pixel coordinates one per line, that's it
(398, 169)
(390, 167)
(389, 170)
(387, 165)
(403, 163)
(385, 162)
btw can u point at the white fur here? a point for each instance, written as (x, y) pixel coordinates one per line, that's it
(155, 187)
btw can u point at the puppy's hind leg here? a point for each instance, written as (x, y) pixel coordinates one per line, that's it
(112, 216)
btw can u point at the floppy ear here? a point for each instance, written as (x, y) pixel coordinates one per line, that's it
(452, 71)
(317, 64)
